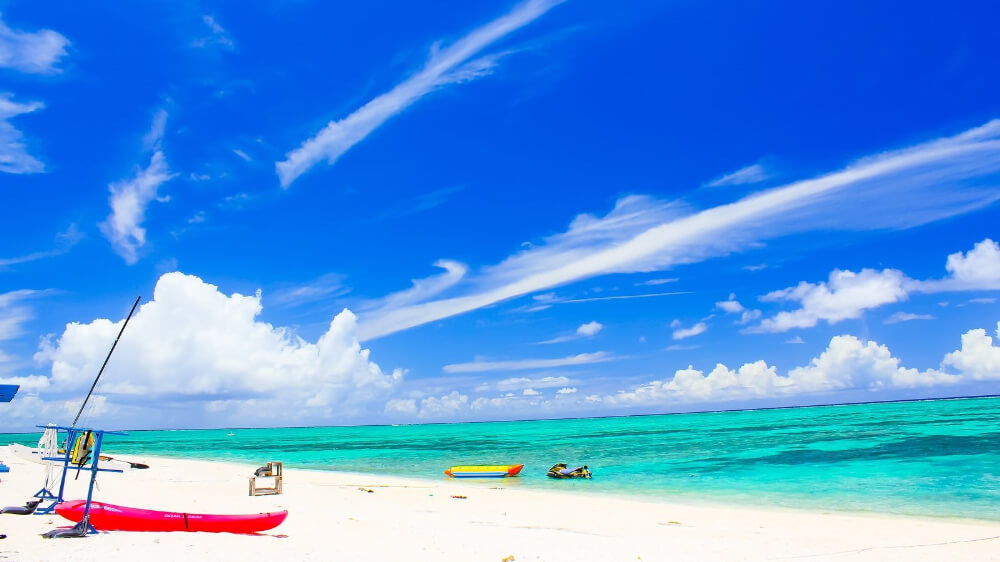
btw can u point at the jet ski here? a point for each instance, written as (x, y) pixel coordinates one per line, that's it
(560, 471)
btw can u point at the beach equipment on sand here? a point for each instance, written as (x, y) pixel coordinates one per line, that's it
(86, 447)
(4, 468)
(93, 456)
(271, 470)
(7, 392)
(109, 517)
(484, 471)
(26, 509)
(54, 459)
(560, 470)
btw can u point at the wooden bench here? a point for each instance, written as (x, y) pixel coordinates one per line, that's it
(273, 470)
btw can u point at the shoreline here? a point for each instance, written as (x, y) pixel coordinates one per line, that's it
(687, 499)
(332, 515)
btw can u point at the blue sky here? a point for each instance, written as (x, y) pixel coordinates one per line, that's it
(403, 213)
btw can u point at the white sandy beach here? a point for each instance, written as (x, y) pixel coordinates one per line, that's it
(330, 518)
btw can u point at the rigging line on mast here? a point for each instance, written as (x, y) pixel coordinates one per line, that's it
(112, 350)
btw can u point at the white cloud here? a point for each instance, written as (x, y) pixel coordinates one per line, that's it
(129, 198)
(751, 174)
(14, 314)
(218, 36)
(14, 156)
(906, 317)
(733, 306)
(978, 357)
(448, 65)
(64, 242)
(243, 155)
(530, 392)
(420, 289)
(846, 295)
(897, 189)
(326, 286)
(795, 340)
(154, 136)
(979, 268)
(520, 383)
(196, 356)
(654, 282)
(523, 364)
(35, 52)
(682, 333)
(444, 407)
(406, 406)
(587, 330)
(847, 365)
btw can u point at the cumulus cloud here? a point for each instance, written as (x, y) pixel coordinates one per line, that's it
(845, 295)
(848, 294)
(896, 189)
(130, 198)
(32, 52)
(978, 358)
(195, 350)
(847, 365)
(524, 364)
(979, 268)
(448, 65)
(520, 383)
(590, 329)
(733, 306)
(445, 406)
(751, 174)
(14, 156)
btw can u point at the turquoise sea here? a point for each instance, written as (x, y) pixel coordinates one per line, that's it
(932, 458)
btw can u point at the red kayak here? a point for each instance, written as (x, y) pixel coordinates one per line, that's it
(109, 517)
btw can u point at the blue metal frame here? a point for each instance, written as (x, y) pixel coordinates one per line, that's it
(71, 435)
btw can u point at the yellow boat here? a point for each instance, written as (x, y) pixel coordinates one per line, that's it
(484, 471)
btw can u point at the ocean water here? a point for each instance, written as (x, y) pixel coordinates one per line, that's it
(931, 458)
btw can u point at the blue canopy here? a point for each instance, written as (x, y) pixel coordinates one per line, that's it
(7, 392)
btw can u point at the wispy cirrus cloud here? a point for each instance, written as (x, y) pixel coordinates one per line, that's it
(14, 156)
(896, 189)
(525, 364)
(217, 35)
(32, 52)
(14, 313)
(448, 65)
(324, 287)
(754, 173)
(129, 198)
(64, 243)
(906, 317)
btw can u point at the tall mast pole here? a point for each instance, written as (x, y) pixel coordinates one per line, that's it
(112, 350)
